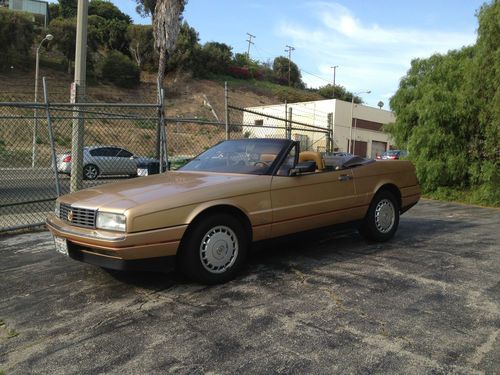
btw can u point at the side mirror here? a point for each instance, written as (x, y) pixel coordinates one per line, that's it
(304, 167)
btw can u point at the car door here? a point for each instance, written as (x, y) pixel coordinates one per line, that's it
(127, 164)
(312, 200)
(113, 162)
(98, 158)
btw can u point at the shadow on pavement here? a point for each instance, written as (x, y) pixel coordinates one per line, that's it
(326, 245)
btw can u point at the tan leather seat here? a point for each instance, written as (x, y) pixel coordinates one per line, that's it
(313, 156)
(267, 158)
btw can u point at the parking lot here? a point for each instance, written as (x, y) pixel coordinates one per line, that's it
(324, 302)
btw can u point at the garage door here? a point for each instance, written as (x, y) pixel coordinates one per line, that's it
(378, 148)
(359, 148)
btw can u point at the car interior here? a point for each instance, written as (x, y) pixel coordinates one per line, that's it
(321, 166)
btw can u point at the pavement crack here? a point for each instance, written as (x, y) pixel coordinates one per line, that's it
(485, 348)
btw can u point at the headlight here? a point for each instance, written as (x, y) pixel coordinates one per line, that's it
(110, 221)
(57, 209)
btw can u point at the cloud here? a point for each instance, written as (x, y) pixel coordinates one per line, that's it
(370, 56)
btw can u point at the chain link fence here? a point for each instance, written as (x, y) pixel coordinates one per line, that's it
(122, 140)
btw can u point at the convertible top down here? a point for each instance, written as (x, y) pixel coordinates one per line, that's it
(207, 213)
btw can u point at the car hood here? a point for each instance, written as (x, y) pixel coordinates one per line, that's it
(167, 190)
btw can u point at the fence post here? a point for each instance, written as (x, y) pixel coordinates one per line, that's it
(159, 124)
(163, 133)
(286, 119)
(289, 130)
(226, 112)
(51, 137)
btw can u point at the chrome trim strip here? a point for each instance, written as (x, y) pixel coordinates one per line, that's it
(101, 237)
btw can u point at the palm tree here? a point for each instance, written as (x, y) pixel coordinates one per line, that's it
(167, 18)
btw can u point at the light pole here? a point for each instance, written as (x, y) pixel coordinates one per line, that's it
(334, 71)
(48, 37)
(351, 142)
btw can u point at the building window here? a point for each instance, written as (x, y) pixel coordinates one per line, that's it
(259, 122)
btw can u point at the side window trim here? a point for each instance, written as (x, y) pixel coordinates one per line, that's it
(293, 145)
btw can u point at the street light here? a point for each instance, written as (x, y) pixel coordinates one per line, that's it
(334, 71)
(48, 37)
(351, 142)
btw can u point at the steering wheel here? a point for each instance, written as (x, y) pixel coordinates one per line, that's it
(263, 164)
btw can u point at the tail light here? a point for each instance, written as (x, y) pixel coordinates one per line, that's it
(67, 159)
(392, 157)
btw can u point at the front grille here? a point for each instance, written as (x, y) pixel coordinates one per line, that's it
(80, 217)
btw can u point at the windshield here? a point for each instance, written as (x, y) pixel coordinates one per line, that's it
(247, 156)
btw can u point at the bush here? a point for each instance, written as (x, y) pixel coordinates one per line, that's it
(120, 70)
(238, 72)
(16, 38)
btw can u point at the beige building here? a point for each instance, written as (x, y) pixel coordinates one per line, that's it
(364, 126)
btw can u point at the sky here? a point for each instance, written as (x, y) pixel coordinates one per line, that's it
(372, 42)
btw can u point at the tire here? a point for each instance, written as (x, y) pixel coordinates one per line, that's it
(90, 172)
(213, 249)
(382, 219)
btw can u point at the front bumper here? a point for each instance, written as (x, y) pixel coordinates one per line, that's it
(155, 243)
(86, 255)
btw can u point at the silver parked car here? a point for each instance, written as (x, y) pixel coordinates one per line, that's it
(103, 160)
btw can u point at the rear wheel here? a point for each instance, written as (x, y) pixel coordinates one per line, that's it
(382, 218)
(90, 172)
(214, 249)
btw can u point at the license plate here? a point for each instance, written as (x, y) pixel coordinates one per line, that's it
(141, 172)
(61, 245)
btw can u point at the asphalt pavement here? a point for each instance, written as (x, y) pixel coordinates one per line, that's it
(325, 302)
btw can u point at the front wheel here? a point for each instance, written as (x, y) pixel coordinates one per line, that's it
(382, 218)
(214, 249)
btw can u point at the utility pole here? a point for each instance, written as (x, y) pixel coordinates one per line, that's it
(334, 71)
(249, 40)
(79, 86)
(289, 50)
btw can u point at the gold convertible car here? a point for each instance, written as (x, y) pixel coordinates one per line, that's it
(207, 213)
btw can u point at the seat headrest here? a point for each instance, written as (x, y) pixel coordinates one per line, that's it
(312, 156)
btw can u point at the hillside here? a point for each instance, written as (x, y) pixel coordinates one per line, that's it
(185, 96)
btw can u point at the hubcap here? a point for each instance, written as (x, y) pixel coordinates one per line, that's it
(384, 216)
(90, 172)
(218, 249)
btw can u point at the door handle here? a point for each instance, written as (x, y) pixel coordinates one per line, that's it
(345, 177)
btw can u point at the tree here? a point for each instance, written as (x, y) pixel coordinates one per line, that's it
(107, 10)
(16, 39)
(166, 25)
(145, 8)
(280, 69)
(141, 45)
(217, 56)
(432, 118)
(188, 55)
(340, 93)
(119, 69)
(54, 10)
(68, 8)
(380, 104)
(64, 31)
(484, 87)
